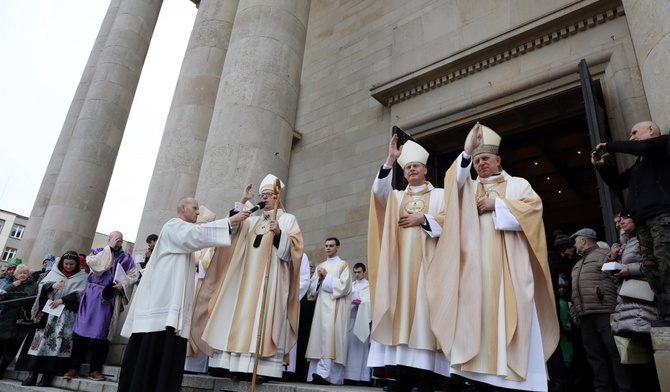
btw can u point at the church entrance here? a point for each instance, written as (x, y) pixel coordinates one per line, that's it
(547, 142)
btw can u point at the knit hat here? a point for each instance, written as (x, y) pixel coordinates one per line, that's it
(49, 257)
(562, 241)
(14, 261)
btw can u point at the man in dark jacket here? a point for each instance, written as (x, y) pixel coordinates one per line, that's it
(648, 184)
(594, 298)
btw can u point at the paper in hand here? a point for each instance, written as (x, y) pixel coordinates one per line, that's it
(120, 274)
(57, 311)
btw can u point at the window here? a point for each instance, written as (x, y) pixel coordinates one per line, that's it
(17, 231)
(8, 253)
(2, 224)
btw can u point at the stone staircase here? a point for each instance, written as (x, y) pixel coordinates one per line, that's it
(191, 383)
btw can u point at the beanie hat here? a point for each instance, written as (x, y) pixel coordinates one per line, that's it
(562, 241)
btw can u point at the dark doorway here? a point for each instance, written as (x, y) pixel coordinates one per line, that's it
(546, 142)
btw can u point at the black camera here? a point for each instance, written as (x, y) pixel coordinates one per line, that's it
(598, 154)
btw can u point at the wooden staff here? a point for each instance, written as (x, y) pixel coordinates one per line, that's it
(261, 320)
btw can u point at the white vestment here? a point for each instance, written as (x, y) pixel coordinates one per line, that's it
(502, 219)
(164, 297)
(239, 300)
(328, 338)
(358, 342)
(421, 334)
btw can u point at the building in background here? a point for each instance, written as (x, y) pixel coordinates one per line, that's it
(12, 227)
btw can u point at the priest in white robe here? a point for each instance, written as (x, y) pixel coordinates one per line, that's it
(358, 336)
(270, 242)
(327, 347)
(404, 227)
(489, 286)
(159, 318)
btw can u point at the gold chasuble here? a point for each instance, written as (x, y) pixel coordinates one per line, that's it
(229, 301)
(484, 284)
(398, 258)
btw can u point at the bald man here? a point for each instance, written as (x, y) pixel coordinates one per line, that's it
(101, 304)
(648, 201)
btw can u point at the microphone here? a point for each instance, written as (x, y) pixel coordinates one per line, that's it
(260, 205)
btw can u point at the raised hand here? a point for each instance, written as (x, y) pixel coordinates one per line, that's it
(476, 139)
(247, 194)
(394, 151)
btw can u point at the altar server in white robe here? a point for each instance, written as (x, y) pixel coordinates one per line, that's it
(327, 347)
(358, 341)
(159, 319)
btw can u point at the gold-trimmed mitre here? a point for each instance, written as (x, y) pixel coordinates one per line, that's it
(490, 142)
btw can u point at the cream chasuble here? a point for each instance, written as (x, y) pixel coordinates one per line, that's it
(233, 290)
(398, 258)
(487, 320)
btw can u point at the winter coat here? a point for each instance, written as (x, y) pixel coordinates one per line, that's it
(9, 330)
(593, 291)
(632, 315)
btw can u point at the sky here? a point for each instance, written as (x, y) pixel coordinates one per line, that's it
(45, 45)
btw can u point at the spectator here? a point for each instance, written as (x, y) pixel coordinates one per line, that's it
(633, 317)
(151, 242)
(50, 339)
(565, 320)
(101, 304)
(47, 264)
(594, 299)
(11, 267)
(15, 318)
(648, 202)
(3, 275)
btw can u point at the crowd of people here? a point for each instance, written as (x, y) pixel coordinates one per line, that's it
(464, 292)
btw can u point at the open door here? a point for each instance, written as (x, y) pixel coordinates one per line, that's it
(597, 123)
(399, 182)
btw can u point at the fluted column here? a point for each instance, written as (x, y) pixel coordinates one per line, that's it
(254, 117)
(79, 193)
(58, 154)
(649, 25)
(181, 151)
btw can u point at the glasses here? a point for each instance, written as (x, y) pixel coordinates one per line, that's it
(267, 194)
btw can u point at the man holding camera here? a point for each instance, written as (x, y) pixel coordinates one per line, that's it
(648, 201)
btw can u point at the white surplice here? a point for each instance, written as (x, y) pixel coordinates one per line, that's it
(165, 294)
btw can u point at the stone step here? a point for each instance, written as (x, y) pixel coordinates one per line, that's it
(190, 383)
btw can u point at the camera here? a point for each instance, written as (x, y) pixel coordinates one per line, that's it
(598, 154)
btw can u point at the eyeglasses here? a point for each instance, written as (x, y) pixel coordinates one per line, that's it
(267, 194)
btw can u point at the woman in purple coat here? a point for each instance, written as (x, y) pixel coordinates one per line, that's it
(112, 275)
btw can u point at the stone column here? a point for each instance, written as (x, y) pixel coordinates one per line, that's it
(57, 156)
(79, 193)
(649, 25)
(181, 151)
(254, 117)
